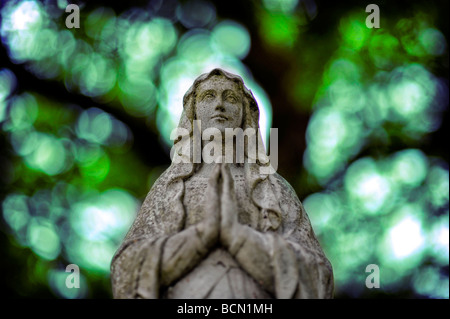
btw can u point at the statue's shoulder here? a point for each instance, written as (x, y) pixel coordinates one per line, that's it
(282, 185)
(288, 200)
(157, 190)
(160, 189)
(163, 180)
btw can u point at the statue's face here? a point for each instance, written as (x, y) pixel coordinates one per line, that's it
(219, 103)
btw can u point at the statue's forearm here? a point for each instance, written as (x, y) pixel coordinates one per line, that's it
(275, 264)
(252, 251)
(181, 253)
(270, 260)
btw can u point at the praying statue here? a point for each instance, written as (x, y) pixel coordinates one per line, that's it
(220, 229)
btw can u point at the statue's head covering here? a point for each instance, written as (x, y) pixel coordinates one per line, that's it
(251, 110)
(264, 197)
(250, 120)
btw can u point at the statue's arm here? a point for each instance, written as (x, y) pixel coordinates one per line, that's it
(287, 265)
(283, 267)
(261, 255)
(187, 248)
(147, 264)
(184, 250)
(153, 256)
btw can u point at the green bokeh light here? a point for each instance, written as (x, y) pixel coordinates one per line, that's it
(285, 6)
(97, 20)
(23, 111)
(94, 257)
(43, 238)
(97, 168)
(26, 15)
(49, 156)
(387, 197)
(342, 69)
(326, 208)
(232, 38)
(138, 95)
(333, 136)
(8, 83)
(195, 46)
(57, 282)
(430, 282)
(108, 217)
(439, 238)
(406, 237)
(409, 167)
(369, 188)
(433, 41)
(412, 90)
(279, 29)
(438, 186)
(354, 31)
(419, 38)
(384, 49)
(98, 77)
(148, 40)
(196, 13)
(15, 211)
(69, 46)
(23, 20)
(95, 126)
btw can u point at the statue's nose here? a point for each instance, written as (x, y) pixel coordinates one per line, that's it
(219, 107)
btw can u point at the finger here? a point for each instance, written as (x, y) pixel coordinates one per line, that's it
(228, 199)
(228, 186)
(213, 189)
(215, 175)
(212, 198)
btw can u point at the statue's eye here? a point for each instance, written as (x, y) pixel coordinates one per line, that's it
(231, 99)
(208, 96)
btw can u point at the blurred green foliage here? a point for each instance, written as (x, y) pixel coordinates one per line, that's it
(73, 182)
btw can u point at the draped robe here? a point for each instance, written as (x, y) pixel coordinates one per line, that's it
(299, 265)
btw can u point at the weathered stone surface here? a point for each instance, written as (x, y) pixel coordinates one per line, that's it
(221, 230)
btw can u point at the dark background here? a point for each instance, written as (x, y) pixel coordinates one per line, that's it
(277, 68)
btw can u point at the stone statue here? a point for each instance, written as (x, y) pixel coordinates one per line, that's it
(221, 230)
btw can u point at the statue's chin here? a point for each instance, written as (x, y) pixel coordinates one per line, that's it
(221, 125)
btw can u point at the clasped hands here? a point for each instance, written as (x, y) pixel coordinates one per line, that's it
(220, 224)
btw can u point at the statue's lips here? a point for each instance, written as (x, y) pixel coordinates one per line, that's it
(219, 117)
